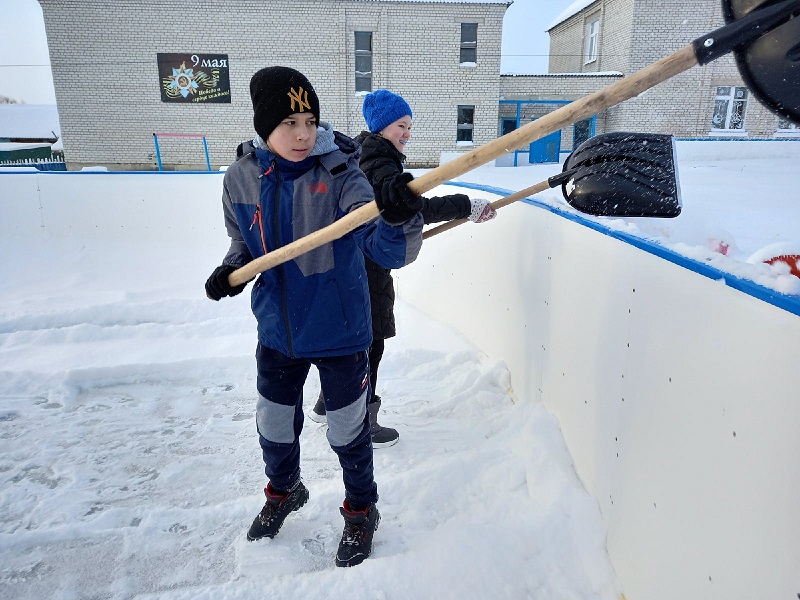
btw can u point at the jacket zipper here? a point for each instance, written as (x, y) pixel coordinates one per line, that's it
(281, 271)
(257, 215)
(257, 219)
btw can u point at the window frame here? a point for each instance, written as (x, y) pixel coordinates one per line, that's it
(592, 46)
(465, 127)
(466, 46)
(736, 95)
(362, 79)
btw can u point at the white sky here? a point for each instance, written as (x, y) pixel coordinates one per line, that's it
(25, 62)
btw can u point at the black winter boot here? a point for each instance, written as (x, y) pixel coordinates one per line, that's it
(381, 436)
(356, 542)
(278, 506)
(317, 413)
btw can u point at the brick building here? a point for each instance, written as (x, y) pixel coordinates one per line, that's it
(444, 57)
(124, 71)
(625, 36)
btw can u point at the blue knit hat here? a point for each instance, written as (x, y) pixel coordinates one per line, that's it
(382, 108)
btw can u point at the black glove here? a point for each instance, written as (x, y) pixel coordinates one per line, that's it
(217, 285)
(396, 202)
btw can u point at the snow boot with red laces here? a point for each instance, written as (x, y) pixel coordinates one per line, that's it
(356, 542)
(278, 506)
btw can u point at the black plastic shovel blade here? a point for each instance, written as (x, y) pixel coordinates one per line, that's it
(770, 65)
(623, 174)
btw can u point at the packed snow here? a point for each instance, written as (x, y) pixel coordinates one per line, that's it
(130, 463)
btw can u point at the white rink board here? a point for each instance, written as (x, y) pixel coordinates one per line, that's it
(151, 206)
(678, 396)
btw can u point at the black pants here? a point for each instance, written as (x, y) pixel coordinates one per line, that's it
(375, 354)
(279, 418)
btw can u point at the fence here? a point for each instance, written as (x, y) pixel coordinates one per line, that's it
(54, 163)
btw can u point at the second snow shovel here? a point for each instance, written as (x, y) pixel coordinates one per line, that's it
(613, 174)
(762, 34)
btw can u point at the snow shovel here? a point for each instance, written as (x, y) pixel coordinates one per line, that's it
(612, 174)
(762, 33)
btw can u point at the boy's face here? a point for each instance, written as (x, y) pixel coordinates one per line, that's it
(398, 133)
(294, 137)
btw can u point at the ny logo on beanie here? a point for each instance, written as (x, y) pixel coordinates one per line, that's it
(301, 97)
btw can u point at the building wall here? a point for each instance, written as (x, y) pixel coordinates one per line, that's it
(635, 34)
(107, 85)
(544, 88)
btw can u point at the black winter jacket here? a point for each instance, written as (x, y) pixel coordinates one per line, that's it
(381, 160)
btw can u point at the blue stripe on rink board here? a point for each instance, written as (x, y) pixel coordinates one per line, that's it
(784, 301)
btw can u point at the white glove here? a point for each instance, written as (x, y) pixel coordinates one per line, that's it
(481, 211)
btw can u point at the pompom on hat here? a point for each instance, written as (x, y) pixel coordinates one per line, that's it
(278, 92)
(382, 108)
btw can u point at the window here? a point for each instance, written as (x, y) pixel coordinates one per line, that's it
(730, 107)
(466, 116)
(363, 61)
(469, 43)
(787, 129)
(592, 39)
(507, 125)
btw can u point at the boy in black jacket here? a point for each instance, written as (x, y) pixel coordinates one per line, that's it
(389, 119)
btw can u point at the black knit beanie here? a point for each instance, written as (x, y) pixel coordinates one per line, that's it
(278, 92)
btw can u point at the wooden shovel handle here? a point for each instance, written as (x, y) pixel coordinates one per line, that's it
(334, 231)
(497, 204)
(609, 96)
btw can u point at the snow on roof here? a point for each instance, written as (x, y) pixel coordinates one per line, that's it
(592, 74)
(571, 10)
(7, 146)
(29, 121)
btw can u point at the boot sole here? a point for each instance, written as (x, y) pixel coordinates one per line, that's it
(356, 560)
(385, 444)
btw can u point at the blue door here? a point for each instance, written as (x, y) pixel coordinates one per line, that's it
(546, 149)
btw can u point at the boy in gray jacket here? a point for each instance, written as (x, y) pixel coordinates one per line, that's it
(296, 177)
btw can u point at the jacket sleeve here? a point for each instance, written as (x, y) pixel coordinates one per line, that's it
(238, 255)
(446, 208)
(389, 246)
(378, 167)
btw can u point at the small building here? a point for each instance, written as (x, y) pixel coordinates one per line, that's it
(30, 135)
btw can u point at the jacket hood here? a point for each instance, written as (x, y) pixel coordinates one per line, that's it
(324, 143)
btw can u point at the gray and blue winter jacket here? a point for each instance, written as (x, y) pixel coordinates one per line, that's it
(318, 303)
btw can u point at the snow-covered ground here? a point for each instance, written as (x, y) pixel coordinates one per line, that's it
(129, 461)
(130, 465)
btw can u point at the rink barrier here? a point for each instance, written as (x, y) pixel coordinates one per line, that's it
(676, 386)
